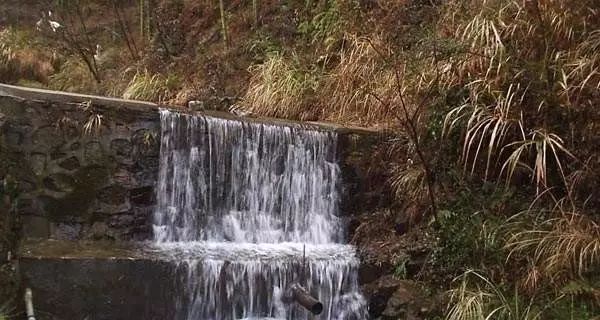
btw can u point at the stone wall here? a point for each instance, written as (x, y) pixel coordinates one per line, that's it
(85, 170)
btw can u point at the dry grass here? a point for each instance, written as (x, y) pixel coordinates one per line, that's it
(546, 147)
(487, 126)
(74, 76)
(20, 61)
(279, 88)
(525, 67)
(562, 248)
(7, 60)
(478, 298)
(93, 124)
(348, 93)
(151, 87)
(345, 94)
(408, 182)
(527, 73)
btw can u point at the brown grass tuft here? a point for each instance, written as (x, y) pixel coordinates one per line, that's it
(562, 248)
(279, 88)
(18, 61)
(151, 87)
(348, 92)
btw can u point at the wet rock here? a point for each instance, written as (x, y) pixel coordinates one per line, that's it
(68, 177)
(99, 230)
(74, 205)
(69, 128)
(391, 299)
(71, 132)
(350, 188)
(25, 206)
(13, 139)
(121, 147)
(70, 163)
(144, 144)
(35, 226)
(379, 293)
(125, 220)
(145, 177)
(352, 226)
(66, 231)
(59, 182)
(75, 146)
(26, 185)
(407, 302)
(142, 225)
(149, 163)
(113, 195)
(47, 138)
(121, 130)
(401, 224)
(93, 152)
(56, 154)
(38, 163)
(143, 196)
(123, 177)
(371, 268)
(14, 135)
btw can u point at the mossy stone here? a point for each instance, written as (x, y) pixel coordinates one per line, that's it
(59, 182)
(87, 181)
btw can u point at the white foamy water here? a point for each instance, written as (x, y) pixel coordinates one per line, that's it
(241, 206)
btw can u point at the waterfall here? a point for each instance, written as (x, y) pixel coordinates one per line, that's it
(245, 209)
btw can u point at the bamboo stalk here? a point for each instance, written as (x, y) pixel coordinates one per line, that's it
(142, 20)
(255, 12)
(223, 22)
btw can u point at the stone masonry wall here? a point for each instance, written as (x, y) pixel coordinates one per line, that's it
(84, 170)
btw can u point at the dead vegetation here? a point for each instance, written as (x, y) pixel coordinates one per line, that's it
(20, 62)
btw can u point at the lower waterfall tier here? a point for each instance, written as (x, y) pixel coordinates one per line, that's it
(105, 280)
(223, 281)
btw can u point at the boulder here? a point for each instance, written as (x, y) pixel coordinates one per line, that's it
(391, 298)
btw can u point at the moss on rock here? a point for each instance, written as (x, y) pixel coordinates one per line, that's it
(87, 181)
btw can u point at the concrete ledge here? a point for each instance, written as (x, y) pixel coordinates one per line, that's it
(97, 280)
(73, 98)
(116, 104)
(37, 249)
(101, 289)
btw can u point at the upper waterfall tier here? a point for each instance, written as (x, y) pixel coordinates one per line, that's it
(227, 180)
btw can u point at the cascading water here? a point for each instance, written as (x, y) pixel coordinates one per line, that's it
(240, 205)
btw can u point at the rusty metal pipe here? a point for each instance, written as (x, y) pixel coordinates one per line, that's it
(29, 304)
(298, 294)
